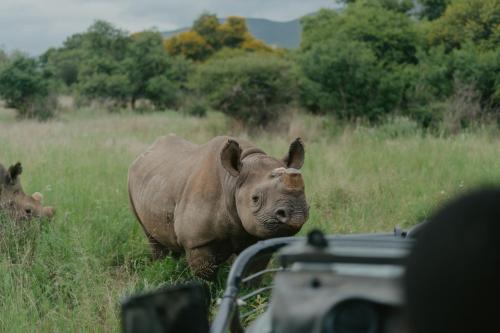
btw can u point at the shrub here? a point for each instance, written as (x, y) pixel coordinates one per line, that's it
(344, 78)
(161, 92)
(441, 78)
(467, 21)
(251, 88)
(196, 109)
(23, 87)
(354, 61)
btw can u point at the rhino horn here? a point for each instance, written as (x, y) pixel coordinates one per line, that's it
(293, 179)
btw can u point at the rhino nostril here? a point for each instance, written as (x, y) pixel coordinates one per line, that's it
(282, 215)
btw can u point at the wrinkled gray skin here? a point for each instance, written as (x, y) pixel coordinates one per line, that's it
(14, 203)
(210, 201)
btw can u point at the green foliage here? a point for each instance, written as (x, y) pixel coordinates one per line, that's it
(391, 35)
(146, 65)
(105, 63)
(3, 58)
(196, 109)
(102, 73)
(433, 9)
(438, 75)
(354, 61)
(341, 76)
(402, 6)
(103, 78)
(63, 63)
(480, 70)
(467, 21)
(23, 87)
(233, 31)
(251, 88)
(161, 91)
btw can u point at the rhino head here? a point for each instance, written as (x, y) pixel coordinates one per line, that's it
(14, 202)
(269, 194)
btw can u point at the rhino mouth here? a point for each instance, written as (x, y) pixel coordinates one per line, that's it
(272, 224)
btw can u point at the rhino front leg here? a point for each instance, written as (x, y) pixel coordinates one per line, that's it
(203, 262)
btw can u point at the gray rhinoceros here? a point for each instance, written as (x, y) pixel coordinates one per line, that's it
(210, 201)
(14, 203)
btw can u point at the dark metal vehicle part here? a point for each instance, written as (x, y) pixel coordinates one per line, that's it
(363, 268)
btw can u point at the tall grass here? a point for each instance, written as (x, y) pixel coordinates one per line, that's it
(70, 274)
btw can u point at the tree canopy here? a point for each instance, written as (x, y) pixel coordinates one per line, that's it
(208, 35)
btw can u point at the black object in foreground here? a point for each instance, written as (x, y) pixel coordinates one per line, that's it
(173, 309)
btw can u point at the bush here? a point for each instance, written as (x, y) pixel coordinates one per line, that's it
(441, 78)
(43, 108)
(344, 78)
(196, 109)
(23, 87)
(161, 92)
(466, 21)
(354, 61)
(251, 88)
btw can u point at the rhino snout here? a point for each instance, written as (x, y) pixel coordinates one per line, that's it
(282, 214)
(48, 212)
(287, 216)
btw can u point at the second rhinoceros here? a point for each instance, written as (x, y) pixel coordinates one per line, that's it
(16, 204)
(213, 200)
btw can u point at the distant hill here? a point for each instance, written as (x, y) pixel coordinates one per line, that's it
(281, 34)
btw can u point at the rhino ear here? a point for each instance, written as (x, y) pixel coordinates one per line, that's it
(14, 171)
(230, 157)
(295, 157)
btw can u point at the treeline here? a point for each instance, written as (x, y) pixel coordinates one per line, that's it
(438, 61)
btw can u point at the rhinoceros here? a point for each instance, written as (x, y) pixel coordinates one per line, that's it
(213, 200)
(14, 203)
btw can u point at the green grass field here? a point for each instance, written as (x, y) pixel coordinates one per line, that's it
(69, 275)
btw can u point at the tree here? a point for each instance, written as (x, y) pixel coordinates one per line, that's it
(402, 6)
(208, 36)
(433, 9)
(468, 21)
(104, 78)
(250, 87)
(233, 31)
(344, 78)
(207, 26)
(390, 34)
(189, 44)
(3, 58)
(353, 61)
(147, 65)
(255, 45)
(22, 84)
(101, 72)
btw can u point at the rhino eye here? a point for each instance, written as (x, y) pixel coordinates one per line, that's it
(256, 199)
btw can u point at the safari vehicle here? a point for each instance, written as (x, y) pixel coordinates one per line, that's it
(347, 283)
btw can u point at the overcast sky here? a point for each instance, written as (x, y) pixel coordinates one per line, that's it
(35, 25)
